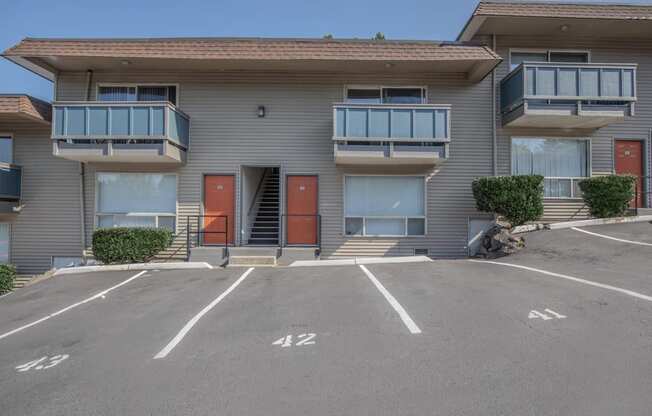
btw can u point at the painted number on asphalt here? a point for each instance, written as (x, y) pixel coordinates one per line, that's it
(550, 314)
(302, 339)
(43, 363)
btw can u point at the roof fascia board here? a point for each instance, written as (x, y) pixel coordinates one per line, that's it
(40, 70)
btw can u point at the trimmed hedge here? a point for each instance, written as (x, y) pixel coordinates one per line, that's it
(608, 196)
(519, 199)
(129, 245)
(7, 276)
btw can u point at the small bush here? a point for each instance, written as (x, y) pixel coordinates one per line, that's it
(7, 276)
(608, 196)
(517, 198)
(129, 245)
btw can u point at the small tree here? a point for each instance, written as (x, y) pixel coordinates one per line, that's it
(517, 198)
(608, 196)
(328, 36)
(7, 276)
(379, 36)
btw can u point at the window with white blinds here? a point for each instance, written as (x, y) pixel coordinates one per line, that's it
(137, 93)
(384, 205)
(136, 200)
(562, 162)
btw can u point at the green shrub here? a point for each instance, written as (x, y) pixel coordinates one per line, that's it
(7, 276)
(608, 196)
(129, 245)
(519, 199)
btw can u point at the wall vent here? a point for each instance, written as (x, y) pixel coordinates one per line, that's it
(420, 251)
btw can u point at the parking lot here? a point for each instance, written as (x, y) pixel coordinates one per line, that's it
(562, 328)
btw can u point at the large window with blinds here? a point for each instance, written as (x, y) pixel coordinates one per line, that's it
(137, 93)
(136, 200)
(384, 206)
(562, 162)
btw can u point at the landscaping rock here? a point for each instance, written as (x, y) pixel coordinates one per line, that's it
(499, 241)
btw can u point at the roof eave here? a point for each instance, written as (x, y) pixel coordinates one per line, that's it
(40, 70)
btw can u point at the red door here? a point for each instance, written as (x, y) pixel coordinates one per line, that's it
(629, 160)
(219, 209)
(302, 221)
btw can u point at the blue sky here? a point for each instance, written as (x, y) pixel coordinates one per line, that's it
(414, 19)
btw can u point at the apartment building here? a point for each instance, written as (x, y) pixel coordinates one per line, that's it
(341, 147)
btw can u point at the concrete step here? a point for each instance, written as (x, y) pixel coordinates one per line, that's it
(215, 256)
(252, 261)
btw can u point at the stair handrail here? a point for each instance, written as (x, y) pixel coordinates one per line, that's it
(260, 185)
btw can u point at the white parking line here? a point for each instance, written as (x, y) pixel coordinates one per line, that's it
(102, 294)
(639, 243)
(574, 279)
(412, 327)
(188, 326)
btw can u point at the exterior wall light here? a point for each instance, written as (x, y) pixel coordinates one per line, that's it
(261, 111)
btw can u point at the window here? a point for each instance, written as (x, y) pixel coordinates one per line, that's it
(138, 93)
(384, 206)
(386, 95)
(6, 150)
(563, 162)
(517, 58)
(5, 238)
(136, 200)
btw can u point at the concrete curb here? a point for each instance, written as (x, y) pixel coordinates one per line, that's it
(135, 266)
(360, 260)
(598, 221)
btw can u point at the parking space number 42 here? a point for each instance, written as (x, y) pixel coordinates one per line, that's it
(302, 339)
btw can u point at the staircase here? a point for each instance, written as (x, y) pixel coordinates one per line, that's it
(263, 229)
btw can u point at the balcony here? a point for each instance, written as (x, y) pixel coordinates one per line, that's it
(391, 134)
(567, 95)
(10, 182)
(131, 132)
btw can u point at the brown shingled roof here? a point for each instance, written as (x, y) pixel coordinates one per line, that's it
(564, 10)
(24, 106)
(252, 49)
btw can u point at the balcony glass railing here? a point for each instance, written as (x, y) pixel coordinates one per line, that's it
(132, 121)
(392, 122)
(553, 83)
(10, 182)
(391, 133)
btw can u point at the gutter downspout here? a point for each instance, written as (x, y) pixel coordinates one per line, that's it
(82, 175)
(494, 140)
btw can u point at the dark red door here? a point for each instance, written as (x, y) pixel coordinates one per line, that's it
(302, 221)
(629, 161)
(219, 209)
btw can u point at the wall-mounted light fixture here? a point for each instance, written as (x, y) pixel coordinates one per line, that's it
(261, 111)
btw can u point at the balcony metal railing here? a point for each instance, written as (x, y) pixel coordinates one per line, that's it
(577, 83)
(132, 121)
(10, 182)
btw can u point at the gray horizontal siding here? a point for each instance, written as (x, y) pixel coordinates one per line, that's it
(49, 222)
(296, 134)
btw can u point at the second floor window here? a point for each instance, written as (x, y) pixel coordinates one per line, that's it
(517, 58)
(138, 93)
(386, 95)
